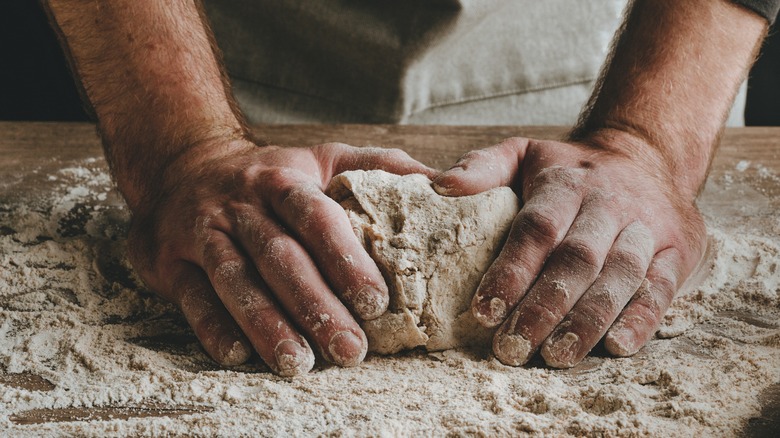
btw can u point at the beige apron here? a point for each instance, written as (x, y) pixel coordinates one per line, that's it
(414, 61)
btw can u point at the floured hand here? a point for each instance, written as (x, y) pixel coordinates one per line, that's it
(256, 255)
(600, 246)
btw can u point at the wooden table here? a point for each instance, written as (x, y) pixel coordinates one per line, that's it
(26, 145)
(29, 150)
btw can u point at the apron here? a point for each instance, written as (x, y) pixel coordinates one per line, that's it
(414, 61)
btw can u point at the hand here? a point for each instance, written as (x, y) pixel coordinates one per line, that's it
(601, 245)
(256, 256)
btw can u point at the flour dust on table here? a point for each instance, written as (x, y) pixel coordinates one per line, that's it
(85, 350)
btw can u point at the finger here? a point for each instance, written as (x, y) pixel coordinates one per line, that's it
(536, 231)
(246, 297)
(642, 316)
(623, 273)
(298, 286)
(571, 269)
(484, 169)
(395, 161)
(214, 327)
(322, 226)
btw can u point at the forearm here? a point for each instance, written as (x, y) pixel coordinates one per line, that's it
(671, 80)
(152, 77)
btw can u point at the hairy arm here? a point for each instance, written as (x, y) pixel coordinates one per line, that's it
(609, 230)
(151, 73)
(671, 81)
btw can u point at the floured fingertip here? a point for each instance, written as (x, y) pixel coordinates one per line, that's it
(446, 184)
(233, 351)
(370, 303)
(562, 351)
(511, 349)
(619, 342)
(443, 190)
(489, 311)
(347, 349)
(292, 359)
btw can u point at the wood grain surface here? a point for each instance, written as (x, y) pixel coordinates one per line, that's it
(25, 145)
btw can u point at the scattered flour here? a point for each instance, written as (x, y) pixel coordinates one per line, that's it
(742, 166)
(72, 312)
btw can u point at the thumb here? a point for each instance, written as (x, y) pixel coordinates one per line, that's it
(368, 158)
(482, 170)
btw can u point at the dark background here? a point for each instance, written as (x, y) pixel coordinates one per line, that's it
(35, 83)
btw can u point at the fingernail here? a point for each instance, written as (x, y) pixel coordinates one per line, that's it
(446, 190)
(489, 311)
(511, 349)
(346, 349)
(233, 351)
(292, 359)
(619, 342)
(563, 351)
(442, 190)
(369, 302)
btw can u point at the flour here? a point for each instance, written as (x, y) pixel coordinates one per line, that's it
(73, 313)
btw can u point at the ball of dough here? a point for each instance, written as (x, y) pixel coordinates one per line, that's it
(432, 251)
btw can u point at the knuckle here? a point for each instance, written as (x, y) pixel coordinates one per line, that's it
(336, 147)
(399, 154)
(215, 243)
(580, 254)
(596, 313)
(375, 157)
(476, 156)
(631, 263)
(514, 141)
(243, 177)
(332, 150)
(227, 267)
(665, 271)
(545, 312)
(247, 218)
(275, 249)
(663, 286)
(560, 176)
(298, 195)
(309, 205)
(206, 221)
(471, 156)
(606, 199)
(638, 235)
(548, 175)
(278, 178)
(541, 223)
(646, 312)
(507, 280)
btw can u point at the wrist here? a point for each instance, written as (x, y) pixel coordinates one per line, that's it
(672, 77)
(162, 162)
(680, 173)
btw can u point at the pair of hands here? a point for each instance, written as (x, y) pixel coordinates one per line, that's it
(258, 258)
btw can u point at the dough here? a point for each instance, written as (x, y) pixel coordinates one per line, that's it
(432, 250)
